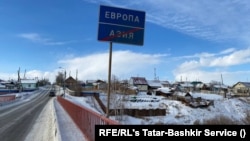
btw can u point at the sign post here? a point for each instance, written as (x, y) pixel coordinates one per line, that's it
(121, 26)
(109, 79)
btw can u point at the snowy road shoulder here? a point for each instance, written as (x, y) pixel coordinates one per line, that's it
(45, 127)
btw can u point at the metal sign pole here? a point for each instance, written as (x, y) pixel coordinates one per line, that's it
(109, 78)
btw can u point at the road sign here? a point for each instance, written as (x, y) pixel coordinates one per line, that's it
(121, 25)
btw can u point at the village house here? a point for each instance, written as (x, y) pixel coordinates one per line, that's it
(28, 84)
(139, 82)
(89, 84)
(241, 89)
(95, 85)
(153, 85)
(100, 85)
(203, 87)
(165, 84)
(187, 86)
(70, 82)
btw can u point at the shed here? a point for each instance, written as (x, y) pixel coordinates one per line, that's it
(139, 82)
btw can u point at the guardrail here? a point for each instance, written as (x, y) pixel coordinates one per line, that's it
(7, 98)
(84, 118)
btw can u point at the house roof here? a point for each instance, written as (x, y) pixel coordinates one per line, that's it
(246, 84)
(187, 84)
(90, 81)
(139, 81)
(165, 90)
(100, 81)
(28, 81)
(70, 79)
(154, 83)
(196, 82)
(220, 86)
(95, 81)
(165, 82)
(200, 85)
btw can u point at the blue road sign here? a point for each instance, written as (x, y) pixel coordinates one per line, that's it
(121, 25)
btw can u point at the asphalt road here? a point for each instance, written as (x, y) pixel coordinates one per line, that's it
(17, 120)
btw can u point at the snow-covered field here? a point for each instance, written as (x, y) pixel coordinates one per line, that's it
(60, 127)
(234, 109)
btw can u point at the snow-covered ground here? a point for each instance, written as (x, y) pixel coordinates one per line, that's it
(60, 127)
(46, 120)
(54, 124)
(234, 109)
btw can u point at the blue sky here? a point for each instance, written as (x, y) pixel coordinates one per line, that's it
(188, 40)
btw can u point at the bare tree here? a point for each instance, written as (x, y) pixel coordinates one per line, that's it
(60, 78)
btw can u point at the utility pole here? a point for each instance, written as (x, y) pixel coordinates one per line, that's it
(24, 75)
(154, 74)
(76, 75)
(221, 80)
(225, 92)
(19, 80)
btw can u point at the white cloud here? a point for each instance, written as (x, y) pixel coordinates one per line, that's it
(225, 58)
(8, 76)
(236, 58)
(124, 64)
(203, 67)
(228, 78)
(95, 66)
(216, 63)
(229, 50)
(198, 55)
(37, 38)
(188, 66)
(30, 74)
(204, 19)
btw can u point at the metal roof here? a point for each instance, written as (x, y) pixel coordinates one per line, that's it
(28, 81)
(139, 81)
